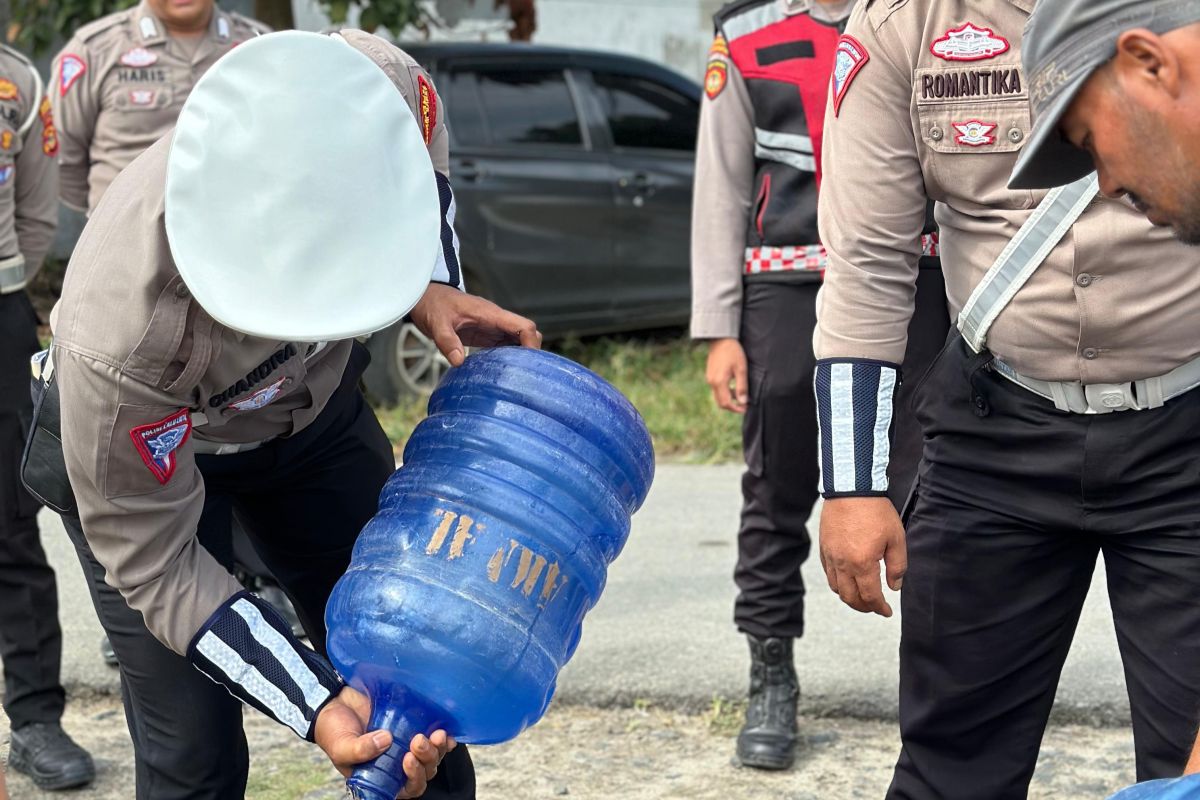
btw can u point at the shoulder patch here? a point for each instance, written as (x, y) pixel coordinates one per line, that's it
(850, 57)
(969, 43)
(8, 90)
(49, 132)
(157, 442)
(6, 140)
(715, 79)
(70, 69)
(6, 173)
(428, 108)
(720, 47)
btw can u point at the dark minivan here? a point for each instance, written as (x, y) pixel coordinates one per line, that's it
(572, 172)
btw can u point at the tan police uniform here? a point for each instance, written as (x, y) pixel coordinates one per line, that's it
(1030, 468)
(166, 416)
(118, 86)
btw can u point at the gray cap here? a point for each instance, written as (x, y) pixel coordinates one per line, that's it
(1065, 42)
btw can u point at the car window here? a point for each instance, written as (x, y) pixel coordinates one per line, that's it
(646, 114)
(528, 107)
(464, 113)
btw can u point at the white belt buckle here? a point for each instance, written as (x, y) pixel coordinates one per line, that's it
(1105, 398)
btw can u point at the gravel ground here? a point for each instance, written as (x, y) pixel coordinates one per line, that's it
(641, 753)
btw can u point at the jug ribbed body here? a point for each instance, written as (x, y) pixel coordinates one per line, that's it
(466, 592)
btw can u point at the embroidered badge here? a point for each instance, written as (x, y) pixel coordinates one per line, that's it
(6, 173)
(70, 70)
(6, 140)
(8, 90)
(720, 47)
(139, 57)
(715, 79)
(428, 108)
(260, 398)
(49, 132)
(157, 442)
(975, 133)
(851, 57)
(142, 97)
(969, 43)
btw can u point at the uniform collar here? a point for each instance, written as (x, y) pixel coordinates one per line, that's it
(150, 29)
(791, 7)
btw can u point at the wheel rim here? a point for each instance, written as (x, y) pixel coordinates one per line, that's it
(418, 361)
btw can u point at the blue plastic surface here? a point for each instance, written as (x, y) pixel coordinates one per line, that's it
(1174, 789)
(467, 591)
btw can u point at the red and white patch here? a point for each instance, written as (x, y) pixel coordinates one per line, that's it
(70, 70)
(975, 133)
(142, 97)
(969, 43)
(139, 57)
(428, 108)
(260, 398)
(850, 57)
(157, 442)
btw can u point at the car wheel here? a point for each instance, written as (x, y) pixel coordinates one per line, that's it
(404, 363)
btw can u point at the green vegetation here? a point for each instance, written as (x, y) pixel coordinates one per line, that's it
(664, 379)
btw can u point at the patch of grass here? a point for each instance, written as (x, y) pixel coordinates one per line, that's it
(662, 375)
(725, 717)
(285, 777)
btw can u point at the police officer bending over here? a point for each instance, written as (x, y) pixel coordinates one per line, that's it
(205, 361)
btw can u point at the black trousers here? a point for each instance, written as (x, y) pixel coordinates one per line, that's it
(303, 501)
(780, 439)
(1011, 510)
(30, 637)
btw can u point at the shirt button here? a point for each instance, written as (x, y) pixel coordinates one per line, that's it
(1090, 353)
(181, 291)
(936, 134)
(1015, 135)
(1084, 279)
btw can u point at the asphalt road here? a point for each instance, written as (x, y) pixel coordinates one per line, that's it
(662, 632)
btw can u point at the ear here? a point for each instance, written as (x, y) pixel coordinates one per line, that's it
(1144, 63)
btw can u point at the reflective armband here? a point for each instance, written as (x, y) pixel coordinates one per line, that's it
(447, 270)
(247, 647)
(854, 412)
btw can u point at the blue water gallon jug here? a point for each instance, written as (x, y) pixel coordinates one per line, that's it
(466, 592)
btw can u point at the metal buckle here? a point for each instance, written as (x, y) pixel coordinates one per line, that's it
(1105, 398)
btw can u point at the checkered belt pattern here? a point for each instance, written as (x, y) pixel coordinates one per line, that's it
(807, 257)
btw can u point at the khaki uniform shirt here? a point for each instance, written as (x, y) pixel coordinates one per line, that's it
(28, 171)
(124, 377)
(118, 87)
(939, 108)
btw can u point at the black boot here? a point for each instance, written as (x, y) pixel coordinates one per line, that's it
(44, 752)
(768, 739)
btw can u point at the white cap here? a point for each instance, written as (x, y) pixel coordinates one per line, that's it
(301, 203)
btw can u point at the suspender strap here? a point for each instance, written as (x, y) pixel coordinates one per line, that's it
(1043, 230)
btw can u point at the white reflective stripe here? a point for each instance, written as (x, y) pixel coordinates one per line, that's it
(753, 20)
(285, 651)
(841, 423)
(804, 163)
(883, 422)
(247, 676)
(35, 107)
(1044, 229)
(785, 141)
(441, 272)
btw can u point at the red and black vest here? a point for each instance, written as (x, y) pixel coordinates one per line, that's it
(786, 60)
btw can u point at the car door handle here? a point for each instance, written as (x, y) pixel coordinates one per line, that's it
(470, 172)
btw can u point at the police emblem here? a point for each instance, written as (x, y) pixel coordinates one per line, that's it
(975, 133)
(139, 57)
(969, 43)
(157, 442)
(715, 79)
(70, 70)
(850, 58)
(6, 173)
(141, 97)
(260, 398)
(8, 90)
(6, 140)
